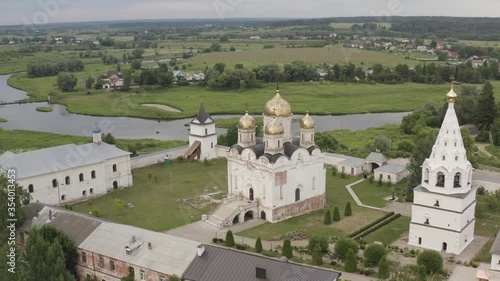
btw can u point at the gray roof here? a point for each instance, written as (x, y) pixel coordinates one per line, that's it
(202, 117)
(376, 157)
(259, 150)
(495, 249)
(77, 226)
(169, 255)
(58, 158)
(353, 162)
(391, 168)
(342, 156)
(221, 264)
(456, 195)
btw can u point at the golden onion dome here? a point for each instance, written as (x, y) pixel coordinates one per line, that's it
(274, 128)
(451, 96)
(307, 122)
(247, 122)
(278, 107)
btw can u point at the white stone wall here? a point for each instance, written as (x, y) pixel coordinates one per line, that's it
(394, 178)
(495, 262)
(122, 175)
(207, 136)
(332, 159)
(199, 130)
(157, 157)
(433, 238)
(222, 151)
(350, 170)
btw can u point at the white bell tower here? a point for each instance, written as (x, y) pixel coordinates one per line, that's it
(202, 129)
(96, 134)
(444, 204)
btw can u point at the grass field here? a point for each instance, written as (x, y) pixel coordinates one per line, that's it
(337, 195)
(155, 200)
(494, 150)
(390, 232)
(18, 140)
(44, 109)
(373, 195)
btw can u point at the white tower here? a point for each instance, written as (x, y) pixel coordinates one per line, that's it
(96, 134)
(202, 130)
(307, 126)
(246, 131)
(444, 204)
(281, 110)
(274, 137)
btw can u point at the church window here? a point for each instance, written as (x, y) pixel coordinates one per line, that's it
(91, 191)
(419, 240)
(426, 175)
(302, 137)
(81, 177)
(343, 169)
(426, 221)
(251, 137)
(206, 131)
(314, 183)
(389, 177)
(456, 180)
(279, 143)
(30, 188)
(444, 158)
(281, 192)
(456, 158)
(297, 195)
(67, 180)
(84, 257)
(54, 183)
(455, 144)
(92, 174)
(212, 145)
(63, 197)
(437, 203)
(84, 193)
(440, 180)
(114, 168)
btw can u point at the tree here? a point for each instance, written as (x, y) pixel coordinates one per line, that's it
(317, 255)
(136, 64)
(89, 82)
(258, 245)
(432, 260)
(215, 47)
(348, 210)
(118, 205)
(486, 107)
(39, 249)
(174, 278)
(323, 242)
(230, 239)
(442, 56)
(421, 273)
(220, 67)
(351, 263)
(383, 268)
(336, 214)
(343, 245)
(380, 143)
(287, 249)
(495, 131)
(109, 139)
(373, 253)
(328, 217)
(66, 81)
(137, 53)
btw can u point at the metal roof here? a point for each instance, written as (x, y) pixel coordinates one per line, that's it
(391, 168)
(168, 254)
(222, 264)
(376, 157)
(203, 117)
(58, 158)
(353, 162)
(495, 249)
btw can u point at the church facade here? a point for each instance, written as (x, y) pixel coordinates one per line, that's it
(444, 204)
(283, 175)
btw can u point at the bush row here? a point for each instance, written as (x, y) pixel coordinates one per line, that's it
(364, 234)
(355, 233)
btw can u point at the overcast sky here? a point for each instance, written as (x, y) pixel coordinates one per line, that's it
(33, 11)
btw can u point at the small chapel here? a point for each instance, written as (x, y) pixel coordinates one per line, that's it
(444, 204)
(281, 175)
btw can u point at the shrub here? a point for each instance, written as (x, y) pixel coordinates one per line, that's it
(230, 239)
(317, 256)
(348, 210)
(432, 260)
(95, 212)
(287, 249)
(383, 268)
(371, 179)
(242, 247)
(355, 233)
(481, 191)
(334, 171)
(214, 240)
(343, 175)
(323, 242)
(336, 214)
(258, 245)
(328, 217)
(373, 254)
(351, 263)
(343, 246)
(422, 273)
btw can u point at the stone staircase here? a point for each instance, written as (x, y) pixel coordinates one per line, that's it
(224, 214)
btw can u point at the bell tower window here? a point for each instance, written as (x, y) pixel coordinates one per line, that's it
(456, 180)
(440, 180)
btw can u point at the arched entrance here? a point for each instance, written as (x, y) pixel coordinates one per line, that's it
(236, 219)
(263, 215)
(375, 166)
(115, 185)
(250, 194)
(249, 215)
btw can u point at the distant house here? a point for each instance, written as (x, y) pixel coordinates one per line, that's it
(199, 76)
(352, 166)
(391, 173)
(453, 55)
(473, 129)
(254, 37)
(321, 72)
(179, 75)
(421, 48)
(114, 80)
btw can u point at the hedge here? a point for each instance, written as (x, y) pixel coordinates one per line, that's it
(364, 234)
(355, 233)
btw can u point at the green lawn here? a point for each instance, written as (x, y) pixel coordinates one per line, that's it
(494, 150)
(337, 195)
(155, 200)
(44, 109)
(390, 232)
(484, 255)
(372, 194)
(18, 140)
(2, 120)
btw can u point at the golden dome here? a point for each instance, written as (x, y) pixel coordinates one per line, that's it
(451, 96)
(274, 128)
(307, 122)
(247, 122)
(278, 107)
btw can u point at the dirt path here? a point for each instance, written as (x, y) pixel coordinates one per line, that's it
(482, 148)
(163, 107)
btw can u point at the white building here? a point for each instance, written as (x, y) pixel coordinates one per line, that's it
(495, 254)
(282, 176)
(444, 204)
(203, 138)
(393, 173)
(68, 173)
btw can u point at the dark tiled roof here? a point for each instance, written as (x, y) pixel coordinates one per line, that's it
(203, 116)
(273, 157)
(290, 149)
(221, 264)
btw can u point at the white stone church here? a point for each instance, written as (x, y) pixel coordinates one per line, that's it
(444, 204)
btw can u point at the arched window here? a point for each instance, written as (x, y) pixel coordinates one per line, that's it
(67, 180)
(54, 183)
(30, 188)
(279, 143)
(314, 183)
(81, 177)
(63, 197)
(92, 174)
(440, 180)
(456, 180)
(297, 195)
(426, 175)
(91, 191)
(444, 158)
(84, 193)
(114, 168)
(206, 132)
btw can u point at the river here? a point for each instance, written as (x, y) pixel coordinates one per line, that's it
(60, 121)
